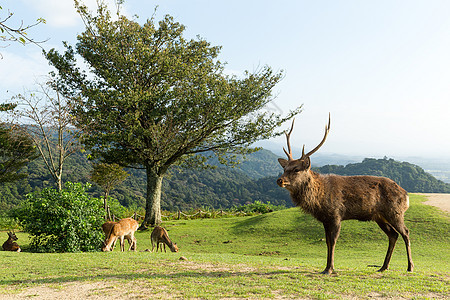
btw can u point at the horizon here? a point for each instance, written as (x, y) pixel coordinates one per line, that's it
(381, 69)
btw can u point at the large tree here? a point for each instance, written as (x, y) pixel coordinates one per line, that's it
(148, 97)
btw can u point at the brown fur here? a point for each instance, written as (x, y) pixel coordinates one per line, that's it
(125, 228)
(160, 236)
(107, 227)
(333, 198)
(10, 244)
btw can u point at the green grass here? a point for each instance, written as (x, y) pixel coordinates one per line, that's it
(267, 256)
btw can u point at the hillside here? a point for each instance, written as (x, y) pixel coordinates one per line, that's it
(254, 179)
(411, 177)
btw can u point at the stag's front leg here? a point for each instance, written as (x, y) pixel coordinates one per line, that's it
(122, 243)
(332, 230)
(392, 235)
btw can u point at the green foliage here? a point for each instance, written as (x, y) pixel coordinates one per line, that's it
(62, 221)
(107, 176)
(411, 177)
(218, 188)
(8, 223)
(119, 211)
(16, 151)
(155, 98)
(259, 207)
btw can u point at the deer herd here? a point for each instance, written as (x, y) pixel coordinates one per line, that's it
(124, 229)
(330, 198)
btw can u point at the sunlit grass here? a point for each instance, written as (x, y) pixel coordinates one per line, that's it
(272, 255)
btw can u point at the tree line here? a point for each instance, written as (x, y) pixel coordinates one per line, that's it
(219, 188)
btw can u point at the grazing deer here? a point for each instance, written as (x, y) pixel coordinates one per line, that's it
(333, 198)
(160, 236)
(125, 228)
(10, 244)
(106, 227)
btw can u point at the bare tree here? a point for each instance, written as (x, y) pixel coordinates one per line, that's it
(44, 116)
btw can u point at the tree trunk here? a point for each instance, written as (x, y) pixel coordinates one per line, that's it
(105, 206)
(59, 181)
(153, 204)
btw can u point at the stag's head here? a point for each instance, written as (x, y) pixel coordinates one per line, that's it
(12, 236)
(174, 247)
(296, 170)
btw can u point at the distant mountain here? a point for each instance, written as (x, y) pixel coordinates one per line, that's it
(260, 164)
(411, 177)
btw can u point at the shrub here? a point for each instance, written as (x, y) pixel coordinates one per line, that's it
(259, 207)
(63, 221)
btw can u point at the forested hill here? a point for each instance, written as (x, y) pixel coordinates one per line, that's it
(411, 177)
(223, 187)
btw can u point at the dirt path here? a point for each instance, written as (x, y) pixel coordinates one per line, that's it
(441, 201)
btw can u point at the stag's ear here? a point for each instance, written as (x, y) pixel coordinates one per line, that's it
(283, 162)
(307, 163)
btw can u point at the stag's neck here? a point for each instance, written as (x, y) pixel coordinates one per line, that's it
(308, 192)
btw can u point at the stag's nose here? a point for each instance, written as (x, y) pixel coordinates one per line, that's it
(280, 182)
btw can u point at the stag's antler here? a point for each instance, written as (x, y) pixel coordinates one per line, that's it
(288, 136)
(327, 129)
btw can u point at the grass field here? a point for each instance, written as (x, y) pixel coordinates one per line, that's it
(276, 255)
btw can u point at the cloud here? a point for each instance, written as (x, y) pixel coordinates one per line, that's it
(22, 71)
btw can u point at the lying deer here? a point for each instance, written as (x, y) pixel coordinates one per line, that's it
(333, 198)
(160, 236)
(106, 227)
(10, 244)
(125, 228)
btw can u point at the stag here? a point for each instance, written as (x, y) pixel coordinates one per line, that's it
(160, 236)
(332, 198)
(107, 228)
(10, 244)
(125, 228)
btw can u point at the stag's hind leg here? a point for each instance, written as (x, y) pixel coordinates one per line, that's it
(401, 228)
(392, 235)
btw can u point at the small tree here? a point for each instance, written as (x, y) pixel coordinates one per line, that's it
(62, 221)
(153, 99)
(16, 150)
(107, 176)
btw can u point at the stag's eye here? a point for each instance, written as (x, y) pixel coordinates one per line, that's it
(297, 170)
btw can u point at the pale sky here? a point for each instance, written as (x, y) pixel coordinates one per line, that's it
(381, 68)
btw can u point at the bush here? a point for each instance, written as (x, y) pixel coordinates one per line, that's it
(259, 207)
(63, 221)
